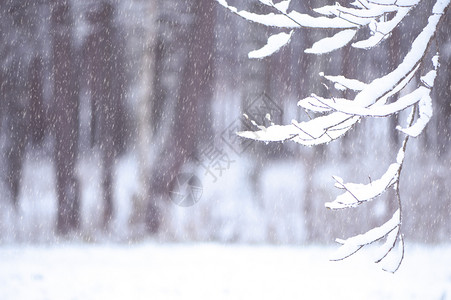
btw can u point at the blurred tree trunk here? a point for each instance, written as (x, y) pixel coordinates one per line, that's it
(17, 51)
(108, 104)
(37, 113)
(442, 89)
(145, 118)
(104, 62)
(191, 121)
(65, 120)
(17, 133)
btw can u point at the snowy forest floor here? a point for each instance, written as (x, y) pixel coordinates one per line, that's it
(213, 271)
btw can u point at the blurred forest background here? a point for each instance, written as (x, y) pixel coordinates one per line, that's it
(103, 103)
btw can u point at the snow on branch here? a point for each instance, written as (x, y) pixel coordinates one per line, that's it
(324, 129)
(275, 42)
(424, 104)
(381, 30)
(349, 107)
(338, 115)
(343, 83)
(421, 95)
(390, 231)
(281, 6)
(352, 244)
(292, 19)
(347, 19)
(357, 194)
(329, 44)
(425, 111)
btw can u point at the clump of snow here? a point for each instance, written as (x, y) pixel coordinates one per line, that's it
(282, 5)
(358, 193)
(425, 112)
(275, 42)
(352, 244)
(329, 44)
(352, 84)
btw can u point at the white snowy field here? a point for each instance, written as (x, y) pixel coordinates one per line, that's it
(212, 271)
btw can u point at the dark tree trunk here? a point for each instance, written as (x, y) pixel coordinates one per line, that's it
(191, 121)
(104, 55)
(15, 91)
(442, 89)
(37, 113)
(394, 56)
(65, 120)
(16, 146)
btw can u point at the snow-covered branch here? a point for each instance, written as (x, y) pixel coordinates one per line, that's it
(347, 19)
(338, 115)
(326, 128)
(390, 230)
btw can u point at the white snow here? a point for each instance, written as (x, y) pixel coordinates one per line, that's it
(293, 19)
(313, 103)
(357, 193)
(213, 271)
(429, 78)
(382, 29)
(392, 261)
(378, 87)
(283, 6)
(329, 44)
(369, 11)
(347, 83)
(320, 22)
(324, 129)
(425, 111)
(390, 241)
(267, 2)
(439, 6)
(275, 42)
(353, 244)
(349, 107)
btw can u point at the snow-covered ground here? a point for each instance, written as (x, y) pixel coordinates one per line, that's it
(213, 271)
